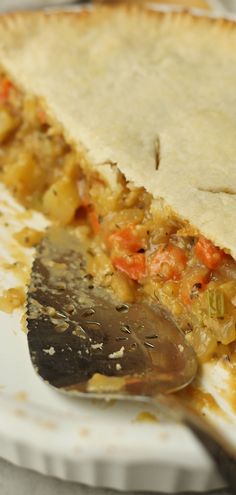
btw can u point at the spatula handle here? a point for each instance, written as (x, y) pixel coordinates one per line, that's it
(219, 448)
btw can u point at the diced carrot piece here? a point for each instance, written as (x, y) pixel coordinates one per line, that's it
(42, 116)
(5, 87)
(93, 220)
(209, 254)
(168, 262)
(134, 266)
(126, 239)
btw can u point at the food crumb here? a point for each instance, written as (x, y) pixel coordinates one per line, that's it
(118, 366)
(97, 346)
(102, 383)
(117, 354)
(181, 347)
(11, 299)
(21, 395)
(49, 351)
(84, 432)
(20, 413)
(146, 417)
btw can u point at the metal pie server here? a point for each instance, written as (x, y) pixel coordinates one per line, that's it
(83, 342)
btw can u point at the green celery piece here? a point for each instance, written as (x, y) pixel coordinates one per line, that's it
(216, 303)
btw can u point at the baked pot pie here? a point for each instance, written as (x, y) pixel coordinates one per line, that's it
(120, 122)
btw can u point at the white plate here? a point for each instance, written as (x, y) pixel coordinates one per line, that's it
(97, 443)
(88, 441)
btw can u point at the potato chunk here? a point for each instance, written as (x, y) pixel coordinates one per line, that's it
(24, 175)
(124, 287)
(8, 124)
(28, 237)
(61, 200)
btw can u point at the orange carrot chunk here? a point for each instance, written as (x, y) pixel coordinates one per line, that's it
(126, 239)
(134, 266)
(42, 116)
(208, 254)
(168, 262)
(93, 220)
(5, 88)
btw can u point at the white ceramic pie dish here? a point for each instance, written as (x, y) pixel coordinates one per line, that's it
(87, 441)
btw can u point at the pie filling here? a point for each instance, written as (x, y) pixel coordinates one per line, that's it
(138, 247)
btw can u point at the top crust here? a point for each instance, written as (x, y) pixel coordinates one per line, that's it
(121, 80)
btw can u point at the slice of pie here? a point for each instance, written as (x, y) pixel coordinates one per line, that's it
(121, 122)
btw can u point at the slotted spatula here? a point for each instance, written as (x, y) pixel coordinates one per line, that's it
(82, 341)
